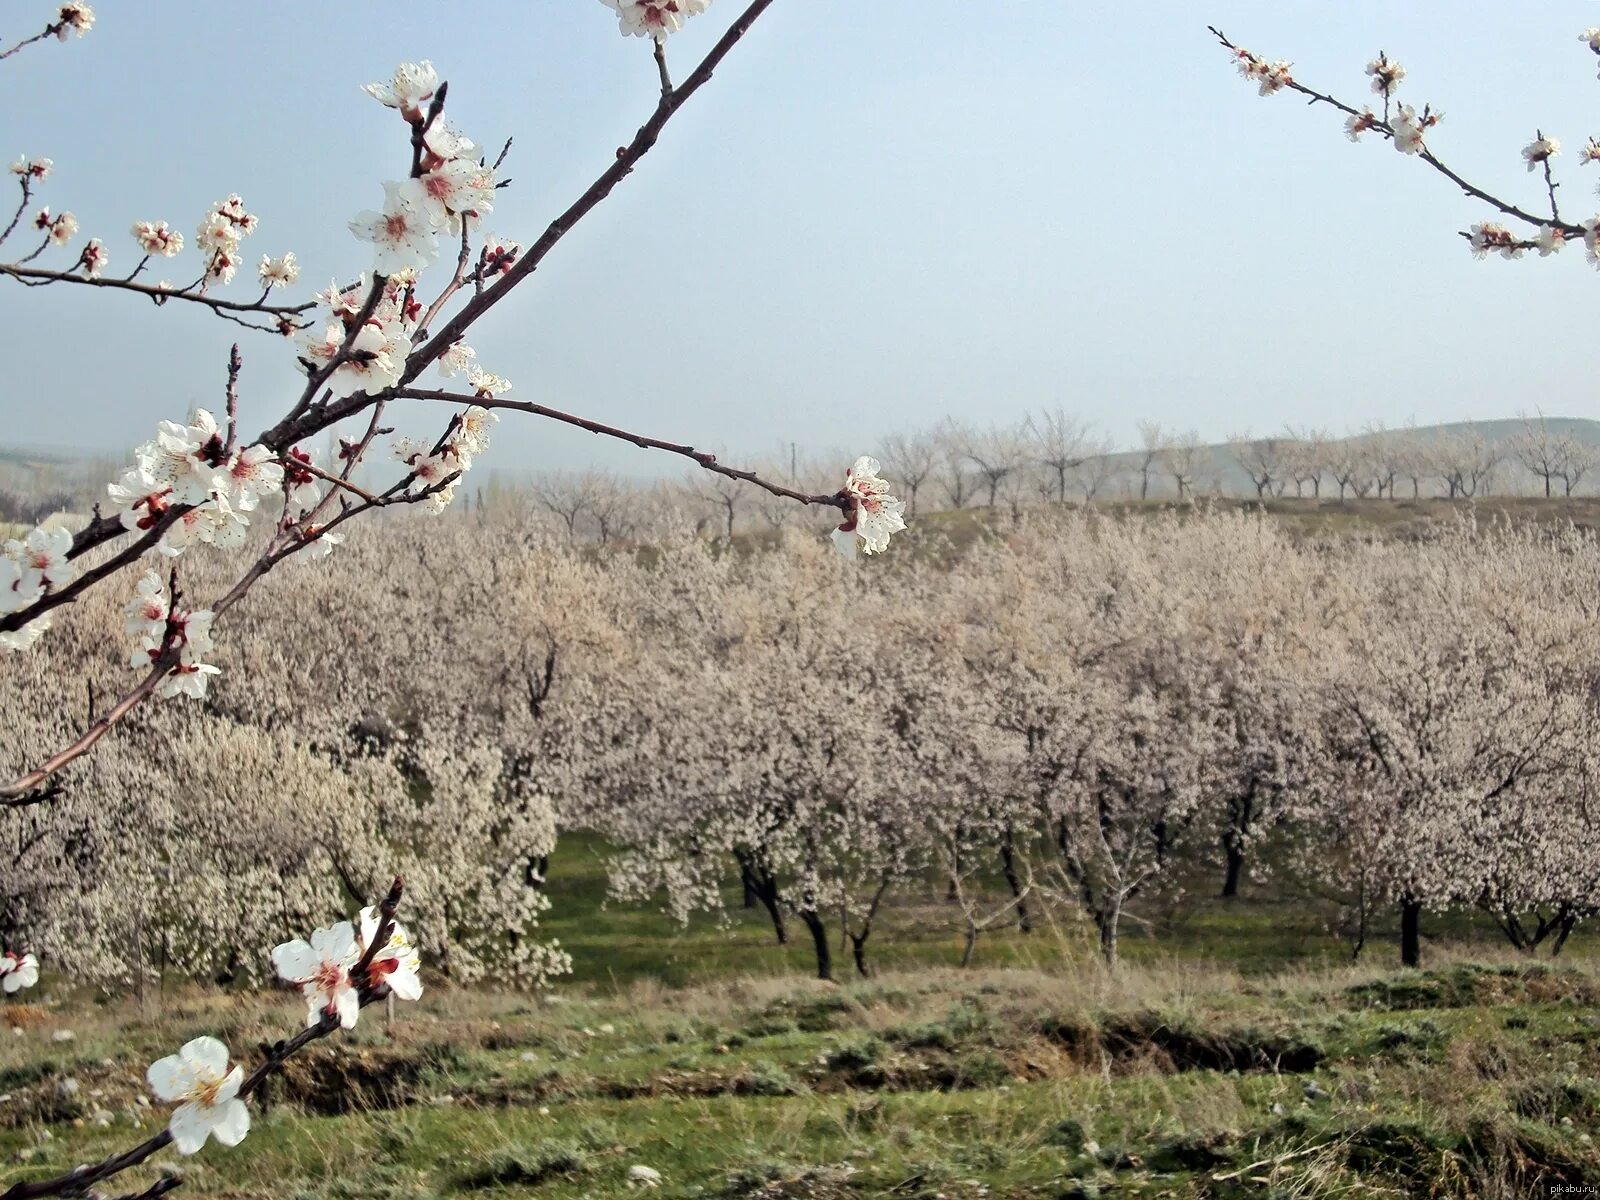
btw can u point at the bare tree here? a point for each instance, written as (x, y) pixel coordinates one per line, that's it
(1181, 457)
(1543, 453)
(999, 453)
(1152, 443)
(911, 459)
(1059, 443)
(568, 497)
(1264, 460)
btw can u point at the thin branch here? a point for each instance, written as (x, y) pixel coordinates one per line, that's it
(79, 1179)
(1425, 154)
(22, 207)
(232, 402)
(37, 276)
(661, 67)
(453, 330)
(702, 458)
(51, 30)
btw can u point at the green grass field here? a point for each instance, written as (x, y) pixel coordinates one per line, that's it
(1238, 1053)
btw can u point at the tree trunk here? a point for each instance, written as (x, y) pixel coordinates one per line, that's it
(1410, 932)
(858, 950)
(1107, 921)
(1008, 861)
(1233, 847)
(819, 939)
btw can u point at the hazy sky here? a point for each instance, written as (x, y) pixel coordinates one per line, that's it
(879, 212)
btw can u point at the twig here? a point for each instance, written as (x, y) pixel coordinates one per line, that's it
(38, 276)
(78, 1180)
(706, 460)
(234, 365)
(661, 67)
(453, 330)
(1426, 155)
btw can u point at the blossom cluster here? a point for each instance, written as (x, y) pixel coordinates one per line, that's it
(453, 185)
(199, 1079)
(467, 438)
(654, 18)
(1269, 77)
(161, 629)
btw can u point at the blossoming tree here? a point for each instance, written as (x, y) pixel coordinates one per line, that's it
(202, 483)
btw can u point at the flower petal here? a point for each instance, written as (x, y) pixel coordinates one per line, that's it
(170, 1078)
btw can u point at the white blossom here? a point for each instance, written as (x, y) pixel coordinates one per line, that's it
(453, 189)
(76, 17)
(413, 86)
(486, 384)
(94, 258)
(654, 18)
(155, 237)
(18, 972)
(1386, 75)
(874, 514)
(206, 1091)
(1358, 123)
(1491, 236)
(321, 970)
(19, 641)
(1551, 239)
(59, 229)
(32, 168)
(278, 272)
(1541, 150)
(456, 359)
(1407, 130)
(397, 962)
(403, 235)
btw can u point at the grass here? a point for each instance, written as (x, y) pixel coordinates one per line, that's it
(1162, 1081)
(1238, 1053)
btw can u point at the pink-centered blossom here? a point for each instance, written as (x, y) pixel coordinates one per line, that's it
(403, 234)
(321, 970)
(873, 515)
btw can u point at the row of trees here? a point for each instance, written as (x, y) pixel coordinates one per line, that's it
(1052, 457)
(1083, 714)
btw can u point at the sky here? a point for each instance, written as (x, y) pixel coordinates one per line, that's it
(877, 214)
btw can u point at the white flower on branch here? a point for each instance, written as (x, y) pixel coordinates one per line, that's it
(37, 169)
(874, 514)
(206, 1091)
(18, 972)
(1551, 239)
(323, 544)
(456, 359)
(223, 266)
(444, 141)
(75, 17)
(232, 211)
(455, 189)
(487, 385)
(1386, 74)
(1358, 123)
(403, 234)
(413, 86)
(377, 354)
(1591, 240)
(438, 501)
(190, 634)
(278, 272)
(247, 476)
(1492, 237)
(30, 566)
(18, 641)
(145, 616)
(397, 962)
(1407, 130)
(1541, 150)
(94, 258)
(1590, 152)
(1269, 77)
(59, 229)
(472, 432)
(654, 18)
(154, 237)
(1592, 37)
(321, 970)
(215, 233)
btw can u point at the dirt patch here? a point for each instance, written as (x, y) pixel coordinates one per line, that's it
(1151, 1041)
(333, 1080)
